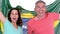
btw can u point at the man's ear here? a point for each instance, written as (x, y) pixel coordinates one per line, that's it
(34, 9)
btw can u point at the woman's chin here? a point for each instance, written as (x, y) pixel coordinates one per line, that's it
(14, 21)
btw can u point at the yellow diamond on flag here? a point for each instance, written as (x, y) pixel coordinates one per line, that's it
(27, 15)
(56, 22)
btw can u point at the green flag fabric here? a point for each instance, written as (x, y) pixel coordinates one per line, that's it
(0, 10)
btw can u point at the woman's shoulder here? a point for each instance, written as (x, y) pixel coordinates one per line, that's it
(7, 22)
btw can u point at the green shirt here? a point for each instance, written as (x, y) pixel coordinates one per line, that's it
(9, 28)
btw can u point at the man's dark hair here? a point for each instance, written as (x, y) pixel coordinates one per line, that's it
(40, 1)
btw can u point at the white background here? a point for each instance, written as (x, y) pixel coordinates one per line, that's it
(28, 4)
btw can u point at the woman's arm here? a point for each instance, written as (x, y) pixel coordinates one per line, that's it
(2, 17)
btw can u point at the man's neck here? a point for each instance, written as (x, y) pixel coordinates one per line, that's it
(40, 16)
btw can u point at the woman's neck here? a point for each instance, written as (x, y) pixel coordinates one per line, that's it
(15, 25)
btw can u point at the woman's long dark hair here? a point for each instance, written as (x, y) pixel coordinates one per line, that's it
(19, 21)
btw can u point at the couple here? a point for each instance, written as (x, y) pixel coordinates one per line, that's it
(41, 24)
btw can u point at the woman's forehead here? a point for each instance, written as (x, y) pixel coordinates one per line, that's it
(14, 11)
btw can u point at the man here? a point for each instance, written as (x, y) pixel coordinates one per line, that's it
(43, 22)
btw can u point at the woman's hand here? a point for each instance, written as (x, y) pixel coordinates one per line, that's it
(2, 17)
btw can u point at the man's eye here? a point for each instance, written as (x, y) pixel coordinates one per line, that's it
(43, 6)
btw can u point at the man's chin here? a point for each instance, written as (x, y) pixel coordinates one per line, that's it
(41, 14)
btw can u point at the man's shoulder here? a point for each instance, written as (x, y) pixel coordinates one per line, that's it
(31, 21)
(52, 13)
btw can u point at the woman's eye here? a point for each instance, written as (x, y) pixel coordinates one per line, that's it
(16, 14)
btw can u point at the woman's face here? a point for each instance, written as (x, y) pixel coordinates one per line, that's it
(14, 16)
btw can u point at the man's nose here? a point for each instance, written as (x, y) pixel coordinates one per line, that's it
(40, 8)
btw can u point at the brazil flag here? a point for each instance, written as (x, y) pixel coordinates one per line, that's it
(27, 14)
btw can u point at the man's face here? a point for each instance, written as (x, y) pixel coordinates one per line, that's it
(40, 8)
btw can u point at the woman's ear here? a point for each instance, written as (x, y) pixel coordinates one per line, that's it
(10, 16)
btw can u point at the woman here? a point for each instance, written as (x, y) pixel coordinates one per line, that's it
(12, 25)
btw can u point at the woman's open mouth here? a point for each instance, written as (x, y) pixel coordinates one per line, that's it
(14, 18)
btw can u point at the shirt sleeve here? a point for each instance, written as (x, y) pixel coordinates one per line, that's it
(7, 23)
(29, 28)
(56, 16)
